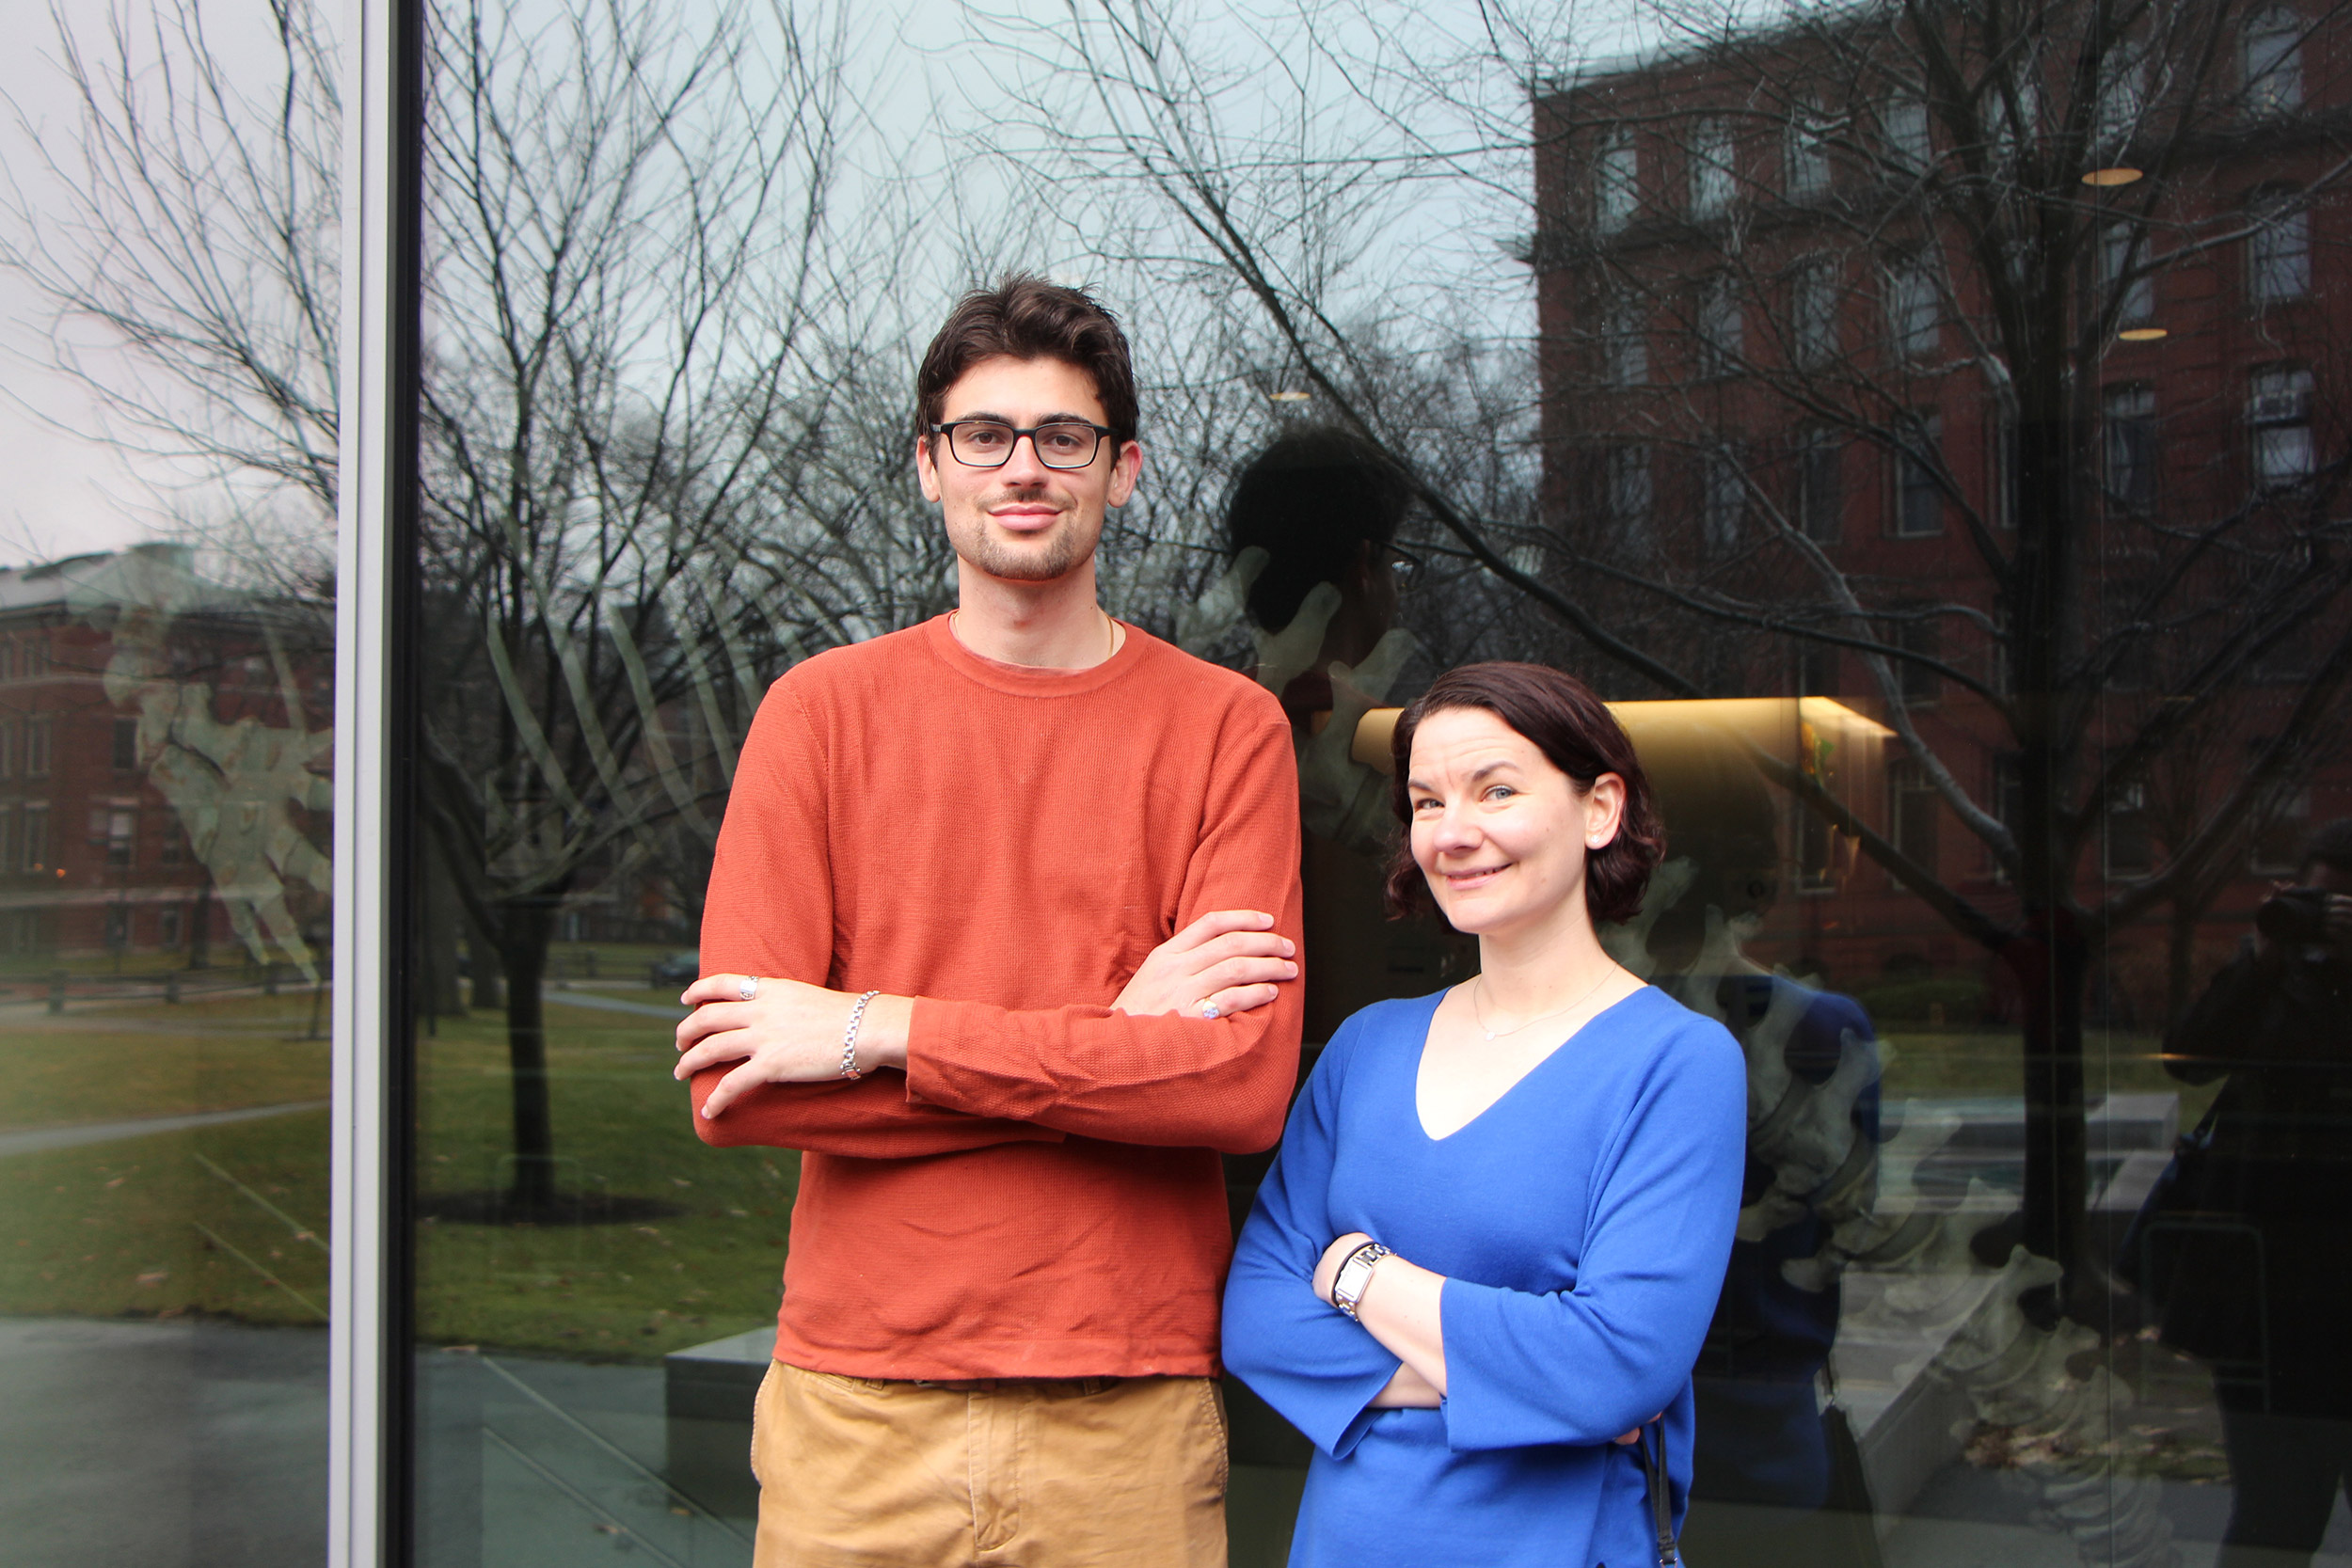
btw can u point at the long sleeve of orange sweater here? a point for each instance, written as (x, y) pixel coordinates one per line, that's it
(1038, 1193)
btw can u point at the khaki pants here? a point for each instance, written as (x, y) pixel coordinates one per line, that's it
(856, 1473)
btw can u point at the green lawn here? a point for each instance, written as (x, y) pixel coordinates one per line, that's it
(154, 1227)
(151, 1059)
(620, 1291)
(1935, 1064)
(230, 1220)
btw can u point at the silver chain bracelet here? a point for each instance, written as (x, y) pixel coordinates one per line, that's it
(849, 1036)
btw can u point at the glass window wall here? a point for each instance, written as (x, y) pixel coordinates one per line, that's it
(168, 265)
(1999, 723)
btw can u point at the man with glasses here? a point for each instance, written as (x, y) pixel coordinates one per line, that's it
(994, 935)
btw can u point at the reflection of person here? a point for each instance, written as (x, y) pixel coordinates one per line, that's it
(950, 873)
(1771, 1436)
(2259, 1283)
(1498, 1217)
(1324, 506)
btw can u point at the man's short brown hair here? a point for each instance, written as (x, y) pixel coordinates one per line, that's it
(1024, 317)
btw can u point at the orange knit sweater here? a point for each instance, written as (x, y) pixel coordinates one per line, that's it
(1039, 1194)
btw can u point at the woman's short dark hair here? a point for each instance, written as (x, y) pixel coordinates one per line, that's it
(1024, 317)
(1579, 735)
(1313, 500)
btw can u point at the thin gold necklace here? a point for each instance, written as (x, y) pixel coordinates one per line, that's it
(1109, 624)
(1480, 1013)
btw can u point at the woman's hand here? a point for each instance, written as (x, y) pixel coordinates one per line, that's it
(1228, 959)
(788, 1033)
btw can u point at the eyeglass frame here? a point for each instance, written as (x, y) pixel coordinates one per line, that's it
(1101, 431)
(1406, 569)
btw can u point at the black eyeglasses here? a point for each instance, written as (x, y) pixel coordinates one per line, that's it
(989, 443)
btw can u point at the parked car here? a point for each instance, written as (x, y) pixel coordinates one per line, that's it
(680, 969)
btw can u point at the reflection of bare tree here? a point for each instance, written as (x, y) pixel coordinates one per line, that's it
(191, 216)
(2002, 245)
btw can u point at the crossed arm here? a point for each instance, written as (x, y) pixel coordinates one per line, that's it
(943, 1075)
(1233, 961)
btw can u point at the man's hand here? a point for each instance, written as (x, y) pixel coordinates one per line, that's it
(1228, 959)
(789, 1033)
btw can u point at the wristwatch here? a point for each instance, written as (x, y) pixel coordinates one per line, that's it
(1347, 1285)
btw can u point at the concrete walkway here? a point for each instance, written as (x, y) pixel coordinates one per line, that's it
(180, 1445)
(33, 1140)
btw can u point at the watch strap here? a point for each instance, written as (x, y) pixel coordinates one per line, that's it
(1355, 1274)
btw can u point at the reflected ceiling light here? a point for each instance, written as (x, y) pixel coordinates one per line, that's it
(1770, 722)
(2107, 178)
(2142, 335)
(1293, 395)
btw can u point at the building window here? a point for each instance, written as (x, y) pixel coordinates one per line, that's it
(1712, 150)
(2128, 449)
(2122, 98)
(2278, 415)
(171, 845)
(1911, 308)
(1723, 331)
(1724, 499)
(1918, 481)
(1809, 155)
(34, 659)
(2130, 848)
(1629, 493)
(8, 661)
(2009, 804)
(1616, 193)
(126, 755)
(1909, 146)
(1917, 813)
(2282, 823)
(1815, 315)
(8, 747)
(1625, 343)
(1920, 637)
(2000, 446)
(167, 925)
(1816, 669)
(2279, 252)
(114, 828)
(35, 840)
(1820, 491)
(117, 927)
(36, 731)
(2120, 268)
(2274, 61)
(8, 826)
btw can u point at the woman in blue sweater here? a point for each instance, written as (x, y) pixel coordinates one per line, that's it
(1488, 1249)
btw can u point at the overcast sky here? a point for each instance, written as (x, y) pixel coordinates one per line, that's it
(67, 492)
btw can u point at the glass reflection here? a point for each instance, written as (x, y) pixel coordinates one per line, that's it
(2010, 501)
(164, 1151)
(169, 247)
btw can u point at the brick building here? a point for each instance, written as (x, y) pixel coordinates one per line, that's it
(162, 747)
(1847, 335)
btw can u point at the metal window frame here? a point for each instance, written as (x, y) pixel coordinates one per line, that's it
(368, 1389)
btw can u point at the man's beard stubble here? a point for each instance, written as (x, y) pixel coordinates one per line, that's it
(1063, 552)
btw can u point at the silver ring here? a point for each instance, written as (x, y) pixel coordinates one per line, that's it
(1208, 1010)
(749, 989)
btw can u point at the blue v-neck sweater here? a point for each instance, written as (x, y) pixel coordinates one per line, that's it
(1582, 1222)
